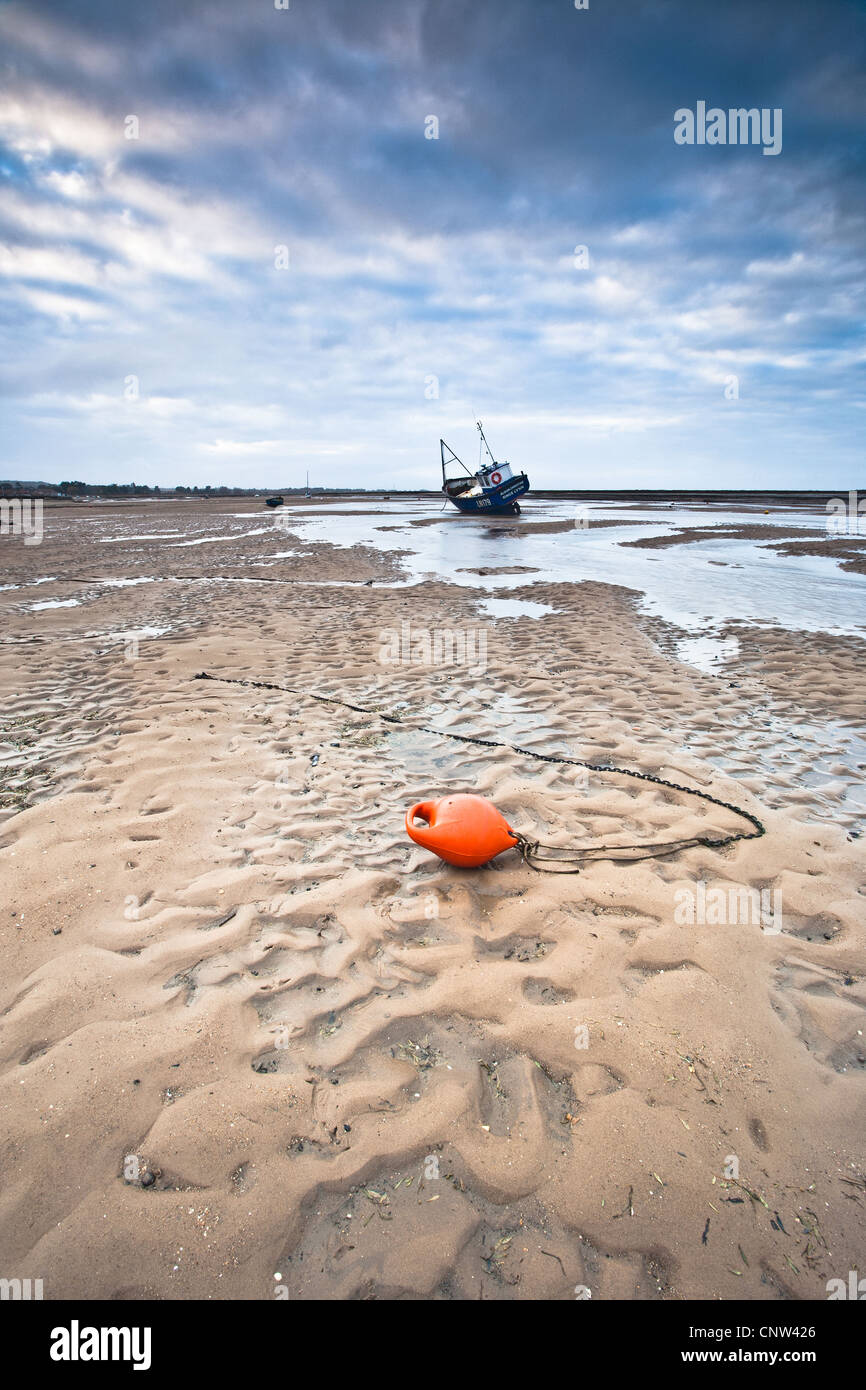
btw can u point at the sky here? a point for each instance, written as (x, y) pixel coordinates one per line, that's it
(240, 242)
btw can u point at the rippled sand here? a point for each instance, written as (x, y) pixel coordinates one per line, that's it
(249, 1030)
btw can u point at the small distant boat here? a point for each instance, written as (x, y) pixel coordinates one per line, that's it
(492, 490)
(274, 502)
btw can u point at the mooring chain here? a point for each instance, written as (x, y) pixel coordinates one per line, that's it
(530, 849)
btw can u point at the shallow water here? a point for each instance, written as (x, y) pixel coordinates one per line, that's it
(698, 586)
(515, 608)
(802, 765)
(707, 653)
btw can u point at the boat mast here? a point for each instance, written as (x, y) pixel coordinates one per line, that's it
(484, 441)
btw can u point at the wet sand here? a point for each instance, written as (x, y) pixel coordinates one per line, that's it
(249, 1030)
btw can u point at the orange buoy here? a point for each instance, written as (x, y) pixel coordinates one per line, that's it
(463, 829)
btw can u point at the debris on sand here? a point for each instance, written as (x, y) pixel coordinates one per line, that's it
(421, 1055)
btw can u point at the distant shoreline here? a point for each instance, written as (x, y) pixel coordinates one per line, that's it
(794, 497)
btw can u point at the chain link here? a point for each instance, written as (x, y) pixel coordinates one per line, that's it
(530, 849)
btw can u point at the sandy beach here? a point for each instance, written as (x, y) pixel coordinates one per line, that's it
(254, 1040)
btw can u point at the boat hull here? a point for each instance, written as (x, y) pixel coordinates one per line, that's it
(492, 501)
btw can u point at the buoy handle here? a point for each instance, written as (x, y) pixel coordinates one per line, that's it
(426, 811)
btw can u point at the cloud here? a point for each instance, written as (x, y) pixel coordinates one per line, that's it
(427, 278)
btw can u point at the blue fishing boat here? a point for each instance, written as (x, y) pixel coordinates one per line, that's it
(492, 490)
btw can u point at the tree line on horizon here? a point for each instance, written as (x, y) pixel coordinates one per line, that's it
(79, 489)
